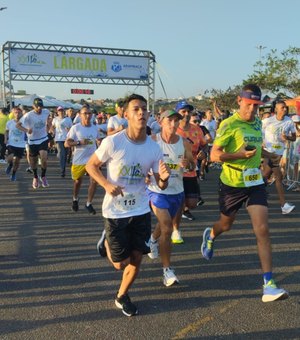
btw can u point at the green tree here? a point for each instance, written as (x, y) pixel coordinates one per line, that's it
(278, 72)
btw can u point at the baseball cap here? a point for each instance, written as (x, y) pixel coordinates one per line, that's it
(296, 118)
(170, 113)
(183, 104)
(252, 97)
(38, 102)
(60, 108)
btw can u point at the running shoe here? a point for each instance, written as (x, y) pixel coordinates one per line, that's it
(90, 209)
(207, 245)
(272, 293)
(13, 177)
(153, 250)
(169, 277)
(176, 237)
(101, 245)
(29, 170)
(44, 182)
(2, 161)
(75, 205)
(35, 183)
(8, 169)
(128, 308)
(200, 201)
(287, 208)
(187, 214)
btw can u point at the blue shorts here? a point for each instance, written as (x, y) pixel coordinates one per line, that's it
(165, 201)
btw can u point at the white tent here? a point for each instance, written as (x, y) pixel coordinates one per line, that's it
(47, 100)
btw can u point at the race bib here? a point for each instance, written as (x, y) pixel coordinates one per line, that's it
(277, 146)
(252, 177)
(127, 202)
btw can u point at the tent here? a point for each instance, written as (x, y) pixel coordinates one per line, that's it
(47, 100)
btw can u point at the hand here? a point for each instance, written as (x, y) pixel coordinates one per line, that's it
(200, 155)
(114, 190)
(246, 153)
(29, 131)
(163, 171)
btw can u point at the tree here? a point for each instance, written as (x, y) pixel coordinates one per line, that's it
(278, 72)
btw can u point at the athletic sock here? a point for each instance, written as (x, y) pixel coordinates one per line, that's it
(267, 277)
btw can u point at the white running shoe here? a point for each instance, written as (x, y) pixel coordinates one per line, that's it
(176, 237)
(169, 277)
(287, 208)
(153, 250)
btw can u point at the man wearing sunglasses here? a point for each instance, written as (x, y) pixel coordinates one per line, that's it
(36, 125)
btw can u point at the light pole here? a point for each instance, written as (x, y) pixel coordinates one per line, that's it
(260, 48)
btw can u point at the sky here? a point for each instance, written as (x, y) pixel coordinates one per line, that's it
(199, 44)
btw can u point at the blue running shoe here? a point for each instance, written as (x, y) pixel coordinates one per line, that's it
(207, 245)
(8, 169)
(13, 177)
(272, 293)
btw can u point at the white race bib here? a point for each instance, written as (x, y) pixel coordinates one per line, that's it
(127, 202)
(252, 177)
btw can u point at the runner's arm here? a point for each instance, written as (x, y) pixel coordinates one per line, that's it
(219, 155)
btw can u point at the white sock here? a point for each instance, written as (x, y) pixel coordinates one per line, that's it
(152, 239)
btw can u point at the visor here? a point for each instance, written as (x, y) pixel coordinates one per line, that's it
(251, 97)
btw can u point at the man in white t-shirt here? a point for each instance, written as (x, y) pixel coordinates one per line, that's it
(84, 137)
(61, 125)
(117, 123)
(36, 124)
(15, 143)
(129, 156)
(277, 130)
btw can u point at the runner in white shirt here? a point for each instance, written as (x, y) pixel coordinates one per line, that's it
(129, 156)
(277, 130)
(36, 124)
(167, 205)
(117, 123)
(84, 137)
(61, 125)
(15, 142)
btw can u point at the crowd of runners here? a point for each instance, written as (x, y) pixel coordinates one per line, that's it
(156, 163)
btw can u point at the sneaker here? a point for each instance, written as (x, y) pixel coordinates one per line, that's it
(200, 202)
(169, 277)
(29, 170)
(153, 250)
(90, 209)
(176, 237)
(101, 246)
(202, 177)
(128, 308)
(207, 245)
(2, 161)
(292, 186)
(35, 183)
(187, 214)
(75, 205)
(287, 208)
(272, 293)
(13, 177)
(8, 169)
(44, 182)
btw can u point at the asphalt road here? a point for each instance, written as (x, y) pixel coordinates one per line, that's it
(54, 285)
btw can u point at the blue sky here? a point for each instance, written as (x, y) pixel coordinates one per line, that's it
(199, 44)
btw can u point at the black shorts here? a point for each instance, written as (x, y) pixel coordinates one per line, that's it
(127, 234)
(16, 151)
(191, 187)
(231, 199)
(35, 149)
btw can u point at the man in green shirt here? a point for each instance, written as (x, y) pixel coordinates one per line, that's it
(238, 145)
